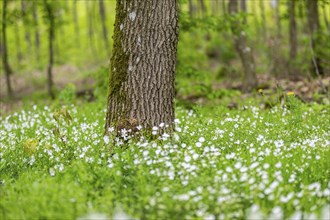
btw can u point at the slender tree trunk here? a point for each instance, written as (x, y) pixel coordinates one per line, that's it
(191, 9)
(203, 8)
(6, 66)
(314, 29)
(141, 85)
(292, 37)
(90, 28)
(76, 23)
(51, 35)
(242, 48)
(36, 29)
(293, 30)
(27, 34)
(104, 26)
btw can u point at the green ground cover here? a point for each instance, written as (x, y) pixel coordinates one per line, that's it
(243, 163)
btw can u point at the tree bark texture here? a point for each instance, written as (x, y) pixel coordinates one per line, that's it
(142, 75)
(242, 48)
(6, 66)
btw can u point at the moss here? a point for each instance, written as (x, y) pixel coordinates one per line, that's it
(119, 59)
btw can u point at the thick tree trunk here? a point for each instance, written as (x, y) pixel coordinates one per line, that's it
(7, 69)
(104, 26)
(141, 85)
(242, 48)
(51, 33)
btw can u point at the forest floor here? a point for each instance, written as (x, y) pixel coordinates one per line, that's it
(29, 84)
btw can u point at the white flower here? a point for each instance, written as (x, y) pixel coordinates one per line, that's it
(201, 139)
(51, 172)
(106, 139)
(187, 158)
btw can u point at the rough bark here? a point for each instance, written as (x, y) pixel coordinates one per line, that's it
(141, 85)
(6, 66)
(104, 26)
(242, 48)
(51, 35)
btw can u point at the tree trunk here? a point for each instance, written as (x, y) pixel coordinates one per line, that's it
(314, 28)
(191, 9)
(51, 33)
(27, 34)
(293, 30)
(104, 26)
(203, 8)
(7, 69)
(36, 29)
(242, 48)
(141, 85)
(90, 28)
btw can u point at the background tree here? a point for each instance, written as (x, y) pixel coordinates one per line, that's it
(50, 18)
(104, 26)
(314, 30)
(6, 66)
(292, 33)
(242, 48)
(141, 86)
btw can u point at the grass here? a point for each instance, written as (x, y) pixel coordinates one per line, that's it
(243, 163)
